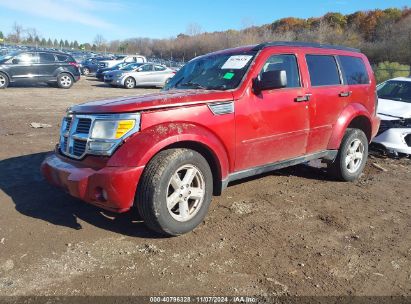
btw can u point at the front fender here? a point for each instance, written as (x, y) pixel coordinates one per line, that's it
(346, 117)
(139, 149)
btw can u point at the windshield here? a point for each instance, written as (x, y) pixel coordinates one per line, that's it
(395, 90)
(6, 57)
(213, 72)
(130, 67)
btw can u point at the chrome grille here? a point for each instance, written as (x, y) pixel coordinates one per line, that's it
(68, 120)
(79, 147)
(83, 125)
(64, 144)
(75, 134)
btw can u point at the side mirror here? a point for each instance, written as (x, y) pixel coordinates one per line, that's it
(15, 61)
(270, 80)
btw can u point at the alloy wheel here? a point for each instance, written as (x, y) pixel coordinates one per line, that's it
(355, 155)
(65, 81)
(129, 83)
(185, 194)
(2, 81)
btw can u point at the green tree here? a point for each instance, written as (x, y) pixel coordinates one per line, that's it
(49, 43)
(75, 44)
(43, 42)
(387, 70)
(1, 35)
(55, 43)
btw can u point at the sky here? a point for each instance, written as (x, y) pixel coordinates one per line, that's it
(82, 20)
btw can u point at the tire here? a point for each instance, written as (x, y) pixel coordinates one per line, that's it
(86, 71)
(4, 81)
(129, 83)
(352, 156)
(65, 81)
(162, 191)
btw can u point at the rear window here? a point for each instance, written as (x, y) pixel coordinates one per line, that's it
(46, 58)
(354, 70)
(323, 70)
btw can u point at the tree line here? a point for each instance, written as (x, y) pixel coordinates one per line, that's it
(383, 35)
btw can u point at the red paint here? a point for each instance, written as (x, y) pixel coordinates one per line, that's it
(265, 128)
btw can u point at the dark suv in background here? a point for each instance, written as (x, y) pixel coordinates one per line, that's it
(54, 68)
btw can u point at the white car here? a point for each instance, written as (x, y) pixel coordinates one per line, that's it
(146, 75)
(394, 109)
(122, 58)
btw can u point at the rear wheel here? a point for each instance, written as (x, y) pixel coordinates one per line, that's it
(4, 81)
(352, 156)
(175, 191)
(65, 81)
(129, 83)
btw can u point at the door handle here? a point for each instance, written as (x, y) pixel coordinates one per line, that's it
(304, 98)
(345, 94)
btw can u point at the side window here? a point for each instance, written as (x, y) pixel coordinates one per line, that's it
(323, 70)
(147, 68)
(159, 68)
(354, 70)
(288, 63)
(62, 58)
(46, 58)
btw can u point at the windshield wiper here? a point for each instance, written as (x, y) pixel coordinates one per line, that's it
(194, 85)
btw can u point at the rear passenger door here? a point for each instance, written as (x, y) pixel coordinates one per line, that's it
(329, 96)
(46, 66)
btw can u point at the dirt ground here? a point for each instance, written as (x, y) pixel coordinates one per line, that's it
(291, 232)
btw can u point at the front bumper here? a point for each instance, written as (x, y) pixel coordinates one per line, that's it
(111, 188)
(395, 140)
(114, 81)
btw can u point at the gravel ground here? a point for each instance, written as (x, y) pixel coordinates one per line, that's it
(290, 232)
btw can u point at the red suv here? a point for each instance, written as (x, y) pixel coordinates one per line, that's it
(223, 117)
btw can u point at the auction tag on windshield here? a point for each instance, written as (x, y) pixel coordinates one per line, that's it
(236, 62)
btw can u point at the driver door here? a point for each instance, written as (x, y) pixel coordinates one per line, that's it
(273, 125)
(24, 67)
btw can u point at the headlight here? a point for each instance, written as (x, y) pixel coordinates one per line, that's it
(108, 132)
(106, 129)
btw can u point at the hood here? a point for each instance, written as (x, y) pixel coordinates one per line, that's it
(394, 109)
(152, 101)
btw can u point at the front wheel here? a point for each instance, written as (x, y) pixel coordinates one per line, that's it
(175, 191)
(64, 81)
(352, 156)
(129, 83)
(86, 71)
(4, 81)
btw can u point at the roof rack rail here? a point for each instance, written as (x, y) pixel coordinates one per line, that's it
(304, 44)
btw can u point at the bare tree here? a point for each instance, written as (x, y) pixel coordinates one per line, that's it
(16, 33)
(194, 29)
(99, 41)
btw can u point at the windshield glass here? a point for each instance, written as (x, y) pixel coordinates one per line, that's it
(130, 67)
(396, 90)
(213, 72)
(6, 57)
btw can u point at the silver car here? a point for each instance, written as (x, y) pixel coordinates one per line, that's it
(146, 75)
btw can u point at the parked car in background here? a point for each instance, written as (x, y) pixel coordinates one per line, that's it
(54, 68)
(122, 58)
(102, 71)
(223, 117)
(394, 109)
(91, 65)
(146, 75)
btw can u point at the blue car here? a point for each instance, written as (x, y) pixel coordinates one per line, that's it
(91, 65)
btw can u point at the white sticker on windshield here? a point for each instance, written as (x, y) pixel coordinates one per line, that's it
(236, 62)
